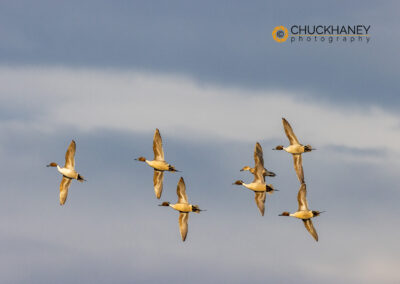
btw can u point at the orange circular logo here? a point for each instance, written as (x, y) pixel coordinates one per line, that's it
(280, 34)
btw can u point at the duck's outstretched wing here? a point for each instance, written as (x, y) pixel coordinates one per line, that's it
(260, 201)
(289, 132)
(157, 146)
(258, 164)
(158, 178)
(298, 167)
(64, 185)
(181, 191)
(183, 224)
(309, 226)
(70, 156)
(301, 198)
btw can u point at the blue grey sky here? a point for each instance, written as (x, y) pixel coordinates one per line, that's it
(212, 79)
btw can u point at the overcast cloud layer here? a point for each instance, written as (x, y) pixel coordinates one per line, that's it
(111, 229)
(211, 78)
(225, 42)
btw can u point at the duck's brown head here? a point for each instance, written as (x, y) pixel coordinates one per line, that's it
(279, 147)
(141, 159)
(285, 214)
(165, 203)
(245, 168)
(52, 165)
(238, 182)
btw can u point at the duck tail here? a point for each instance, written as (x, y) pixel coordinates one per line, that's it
(196, 209)
(172, 169)
(80, 178)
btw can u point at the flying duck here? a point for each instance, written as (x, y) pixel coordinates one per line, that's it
(304, 213)
(295, 148)
(68, 172)
(252, 170)
(159, 164)
(183, 207)
(258, 185)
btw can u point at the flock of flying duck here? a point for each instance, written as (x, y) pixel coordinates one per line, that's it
(258, 185)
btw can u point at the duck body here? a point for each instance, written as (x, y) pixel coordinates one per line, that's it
(182, 207)
(255, 186)
(295, 149)
(304, 214)
(160, 165)
(69, 173)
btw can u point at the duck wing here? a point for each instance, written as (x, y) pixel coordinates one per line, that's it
(301, 198)
(181, 191)
(157, 146)
(64, 185)
(309, 226)
(289, 132)
(183, 224)
(70, 156)
(158, 182)
(260, 201)
(298, 166)
(258, 164)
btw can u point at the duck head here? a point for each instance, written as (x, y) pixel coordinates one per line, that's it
(279, 147)
(245, 168)
(285, 214)
(165, 203)
(141, 159)
(238, 182)
(52, 165)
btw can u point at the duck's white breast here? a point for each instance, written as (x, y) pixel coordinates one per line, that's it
(295, 149)
(158, 165)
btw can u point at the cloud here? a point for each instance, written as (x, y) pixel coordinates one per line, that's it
(111, 223)
(90, 99)
(211, 45)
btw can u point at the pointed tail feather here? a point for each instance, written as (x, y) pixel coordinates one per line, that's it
(80, 178)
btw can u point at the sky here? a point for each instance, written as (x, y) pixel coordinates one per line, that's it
(210, 76)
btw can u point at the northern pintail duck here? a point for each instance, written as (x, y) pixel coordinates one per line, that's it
(252, 170)
(159, 164)
(184, 208)
(68, 172)
(295, 148)
(304, 213)
(258, 185)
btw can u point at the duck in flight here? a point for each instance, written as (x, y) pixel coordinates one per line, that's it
(295, 148)
(252, 170)
(184, 208)
(258, 185)
(68, 172)
(304, 213)
(159, 164)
